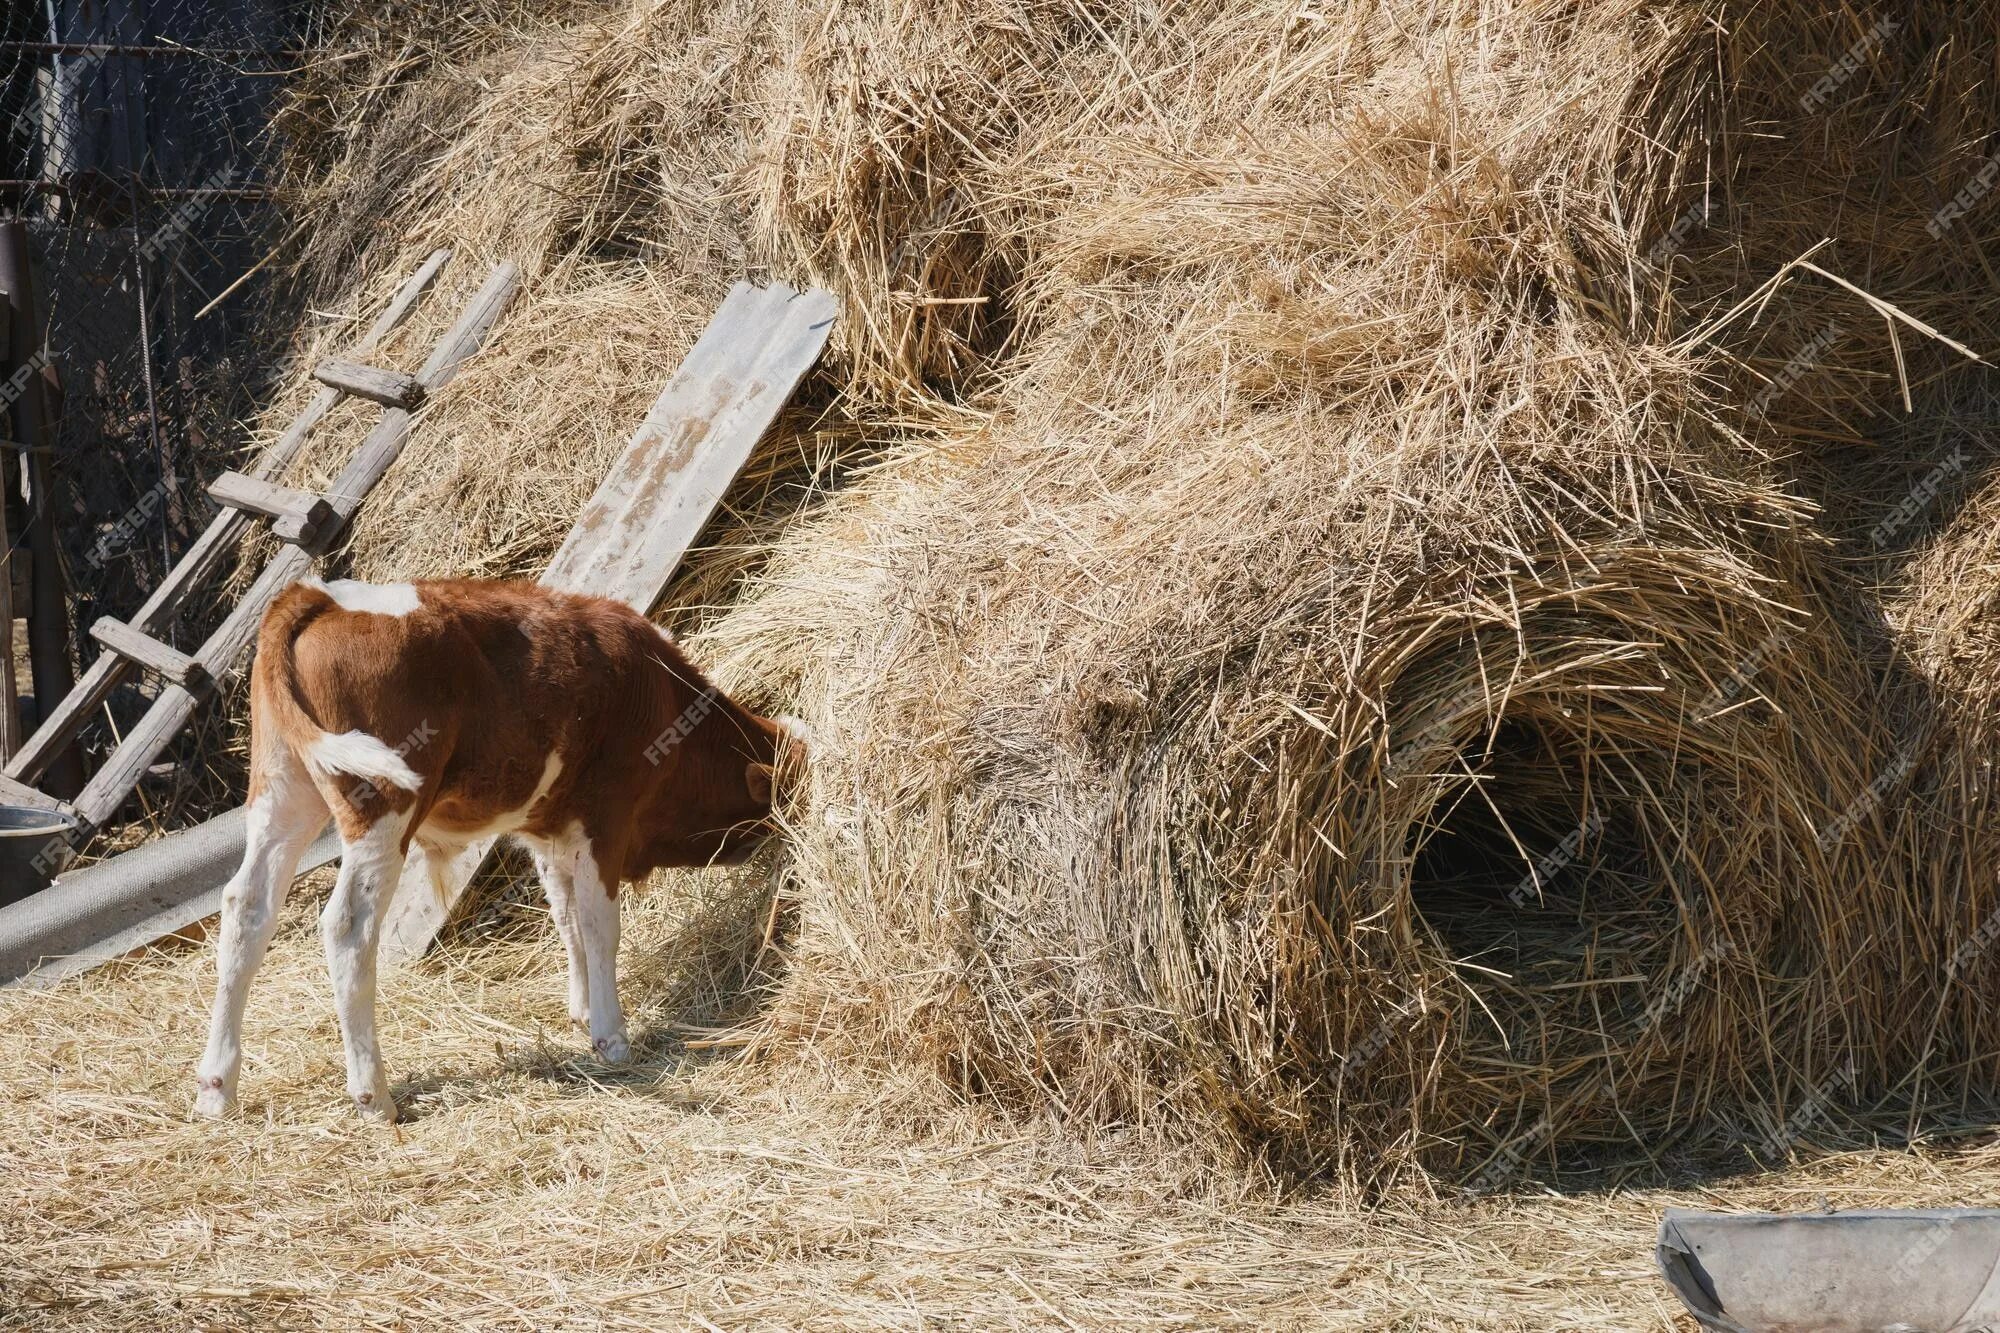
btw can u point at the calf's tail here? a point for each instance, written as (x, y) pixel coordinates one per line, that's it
(280, 722)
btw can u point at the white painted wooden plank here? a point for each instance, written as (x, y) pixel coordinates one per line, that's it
(632, 535)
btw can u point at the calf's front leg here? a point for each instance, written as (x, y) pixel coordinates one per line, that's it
(597, 921)
(582, 899)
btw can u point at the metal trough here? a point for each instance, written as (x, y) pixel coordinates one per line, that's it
(1915, 1271)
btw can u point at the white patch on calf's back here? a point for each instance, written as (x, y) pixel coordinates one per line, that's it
(360, 755)
(379, 599)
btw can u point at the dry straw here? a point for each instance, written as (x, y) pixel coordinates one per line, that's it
(1428, 747)
(1339, 669)
(1338, 634)
(699, 1189)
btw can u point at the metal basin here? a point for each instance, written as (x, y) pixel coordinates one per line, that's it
(34, 844)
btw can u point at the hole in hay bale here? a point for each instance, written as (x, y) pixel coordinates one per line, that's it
(1537, 877)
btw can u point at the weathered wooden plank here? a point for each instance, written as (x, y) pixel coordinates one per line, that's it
(633, 532)
(60, 725)
(100, 800)
(20, 793)
(161, 658)
(254, 496)
(646, 514)
(391, 388)
(311, 513)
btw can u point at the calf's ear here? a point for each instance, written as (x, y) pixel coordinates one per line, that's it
(757, 777)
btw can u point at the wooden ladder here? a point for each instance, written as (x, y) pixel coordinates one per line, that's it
(307, 523)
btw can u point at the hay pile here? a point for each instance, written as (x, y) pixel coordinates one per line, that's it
(1353, 698)
(1339, 630)
(698, 1188)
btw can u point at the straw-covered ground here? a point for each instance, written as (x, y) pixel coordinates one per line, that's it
(1393, 596)
(718, 1186)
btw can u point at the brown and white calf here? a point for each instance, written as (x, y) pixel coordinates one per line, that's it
(424, 716)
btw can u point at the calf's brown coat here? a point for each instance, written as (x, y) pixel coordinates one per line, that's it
(422, 717)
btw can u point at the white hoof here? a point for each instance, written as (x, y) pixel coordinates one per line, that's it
(613, 1050)
(212, 1100)
(378, 1106)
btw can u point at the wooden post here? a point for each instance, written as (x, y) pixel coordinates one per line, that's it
(48, 607)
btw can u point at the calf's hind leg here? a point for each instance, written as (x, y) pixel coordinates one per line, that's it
(558, 884)
(285, 816)
(351, 926)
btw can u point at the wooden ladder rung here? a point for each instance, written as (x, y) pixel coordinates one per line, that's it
(149, 652)
(391, 388)
(300, 516)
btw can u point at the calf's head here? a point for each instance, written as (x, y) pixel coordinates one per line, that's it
(717, 808)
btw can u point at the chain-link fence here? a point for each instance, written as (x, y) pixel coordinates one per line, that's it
(139, 158)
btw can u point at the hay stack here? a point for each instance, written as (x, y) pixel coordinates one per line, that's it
(1353, 698)
(1332, 647)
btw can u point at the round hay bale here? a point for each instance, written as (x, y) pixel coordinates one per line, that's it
(1358, 709)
